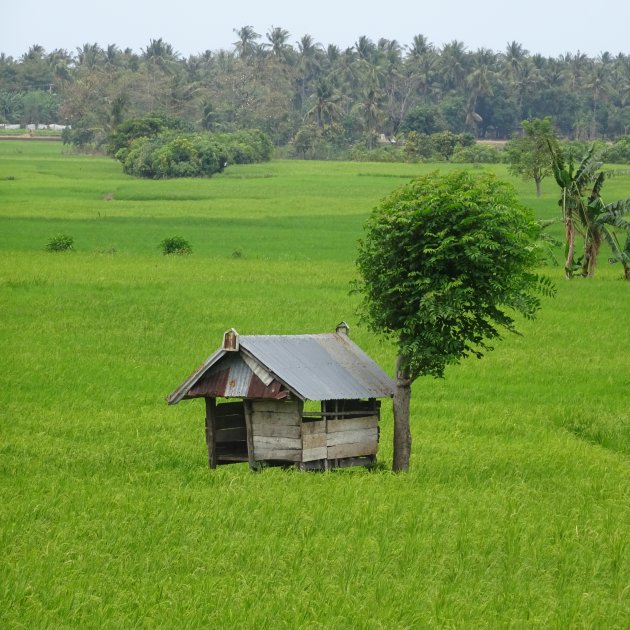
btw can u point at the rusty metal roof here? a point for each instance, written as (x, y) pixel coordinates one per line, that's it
(313, 367)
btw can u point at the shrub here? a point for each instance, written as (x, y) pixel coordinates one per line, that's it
(173, 154)
(120, 140)
(60, 243)
(175, 245)
(477, 154)
(618, 153)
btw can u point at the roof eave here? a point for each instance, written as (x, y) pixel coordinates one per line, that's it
(178, 394)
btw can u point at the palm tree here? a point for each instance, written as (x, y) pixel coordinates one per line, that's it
(365, 48)
(513, 59)
(278, 38)
(90, 55)
(600, 87)
(454, 64)
(371, 112)
(326, 107)
(246, 46)
(420, 46)
(479, 82)
(308, 65)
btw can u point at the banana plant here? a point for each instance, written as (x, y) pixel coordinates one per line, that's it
(584, 213)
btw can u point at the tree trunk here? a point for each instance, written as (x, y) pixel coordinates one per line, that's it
(402, 428)
(569, 231)
(537, 180)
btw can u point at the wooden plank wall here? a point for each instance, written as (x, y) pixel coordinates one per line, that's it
(352, 437)
(276, 430)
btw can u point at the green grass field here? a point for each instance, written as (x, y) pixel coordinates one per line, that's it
(515, 512)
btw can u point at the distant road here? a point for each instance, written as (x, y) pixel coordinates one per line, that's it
(28, 137)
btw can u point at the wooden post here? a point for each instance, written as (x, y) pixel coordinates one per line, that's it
(247, 407)
(211, 433)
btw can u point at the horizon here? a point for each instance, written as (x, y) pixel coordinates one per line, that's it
(196, 27)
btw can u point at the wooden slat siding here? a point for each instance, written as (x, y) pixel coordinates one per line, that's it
(276, 406)
(315, 440)
(311, 454)
(276, 443)
(211, 432)
(285, 454)
(310, 428)
(268, 417)
(272, 430)
(353, 437)
(352, 450)
(352, 424)
(233, 434)
(336, 414)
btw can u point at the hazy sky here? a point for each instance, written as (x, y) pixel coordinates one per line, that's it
(192, 26)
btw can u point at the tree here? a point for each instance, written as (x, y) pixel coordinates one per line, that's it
(247, 45)
(585, 213)
(444, 264)
(529, 153)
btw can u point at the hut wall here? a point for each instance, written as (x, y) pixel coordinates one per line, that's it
(352, 428)
(276, 430)
(343, 429)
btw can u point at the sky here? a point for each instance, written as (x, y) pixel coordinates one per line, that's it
(193, 26)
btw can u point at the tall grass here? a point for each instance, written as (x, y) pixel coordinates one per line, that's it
(515, 511)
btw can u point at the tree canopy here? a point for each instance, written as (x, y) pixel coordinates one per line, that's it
(278, 83)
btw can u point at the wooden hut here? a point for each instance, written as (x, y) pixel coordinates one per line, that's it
(305, 400)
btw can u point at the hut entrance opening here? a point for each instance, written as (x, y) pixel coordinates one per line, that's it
(229, 432)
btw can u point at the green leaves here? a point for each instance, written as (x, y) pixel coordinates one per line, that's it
(445, 263)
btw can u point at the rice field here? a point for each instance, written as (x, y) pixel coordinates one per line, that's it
(515, 511)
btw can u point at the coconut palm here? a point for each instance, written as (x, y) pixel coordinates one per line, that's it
(454, 64)
(277, 39)
(246, 46)
(479, 83)
(326, 108)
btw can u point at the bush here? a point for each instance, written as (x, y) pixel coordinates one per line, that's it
(60, 243)
(175, 245)
(619, 152)
(477, 154)
(120, 140)
(194, 154)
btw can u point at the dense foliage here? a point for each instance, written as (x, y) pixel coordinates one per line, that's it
(323, 98)
(445, 262)
(175, 245)
(172, 154)
(60, 243)
(585, 214)
(619, 152)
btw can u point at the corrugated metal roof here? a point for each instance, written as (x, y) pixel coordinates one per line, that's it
(320, 367)
(314, 367)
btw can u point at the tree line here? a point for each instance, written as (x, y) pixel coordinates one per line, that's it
(321, 98)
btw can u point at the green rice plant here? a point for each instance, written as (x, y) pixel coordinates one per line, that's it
(175, 245)
(515, 509)
(60, 243)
